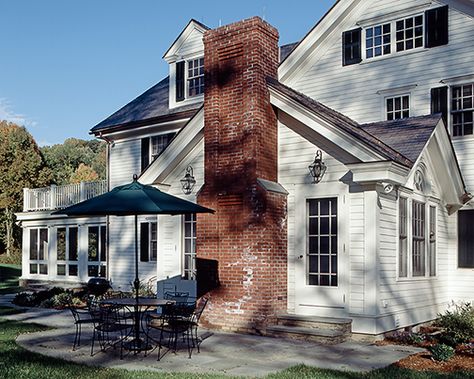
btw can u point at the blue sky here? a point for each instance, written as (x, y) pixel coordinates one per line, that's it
(67, 65)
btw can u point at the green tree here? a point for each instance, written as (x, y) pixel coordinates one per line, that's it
(83, 173)
(64, 159)
(21, 165)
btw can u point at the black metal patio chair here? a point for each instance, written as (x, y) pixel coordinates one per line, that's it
(82, 316)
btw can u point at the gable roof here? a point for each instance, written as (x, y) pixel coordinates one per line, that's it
(342, 122)
(150, 107)
(408, 136)
(192, 24)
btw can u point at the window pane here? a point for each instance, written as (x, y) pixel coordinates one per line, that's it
(72, 270)
(33, 244)
(93, 270)
(93, 244)
(33, 268)
(61, 270)
(43, 269)
(73, 243)
(61, 244)
(466, 239)
(418, 252)
(103, 240)
(43, 244)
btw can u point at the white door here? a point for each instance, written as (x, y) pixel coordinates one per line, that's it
(169, 246)
(319, 255)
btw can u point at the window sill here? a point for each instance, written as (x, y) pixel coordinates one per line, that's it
(416, 279)
(467, 137)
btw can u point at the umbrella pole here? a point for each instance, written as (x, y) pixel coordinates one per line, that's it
(137, 286)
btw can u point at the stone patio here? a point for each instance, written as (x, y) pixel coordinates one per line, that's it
(221, 353)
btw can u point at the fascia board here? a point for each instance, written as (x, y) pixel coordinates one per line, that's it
(145, 131)
(386, 171)
(313, 43)
(27, 218)
(331, 132)
(179, 147)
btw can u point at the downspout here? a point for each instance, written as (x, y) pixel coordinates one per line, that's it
(110, 144)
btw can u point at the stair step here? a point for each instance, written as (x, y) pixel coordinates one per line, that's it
(326, 336)
(343, 325)
(315, 319)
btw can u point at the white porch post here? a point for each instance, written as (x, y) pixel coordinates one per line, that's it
(52, 193)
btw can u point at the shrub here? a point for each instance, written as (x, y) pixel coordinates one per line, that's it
(458, 323)
(441, 352)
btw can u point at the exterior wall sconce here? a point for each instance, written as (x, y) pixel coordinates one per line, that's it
(317, 168)
(188, 182)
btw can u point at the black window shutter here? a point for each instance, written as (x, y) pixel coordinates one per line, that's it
(145, 152)
(439, 102)
(436, 27)
(351, 47)
(465, 239)
(180, 81)
(144, 243)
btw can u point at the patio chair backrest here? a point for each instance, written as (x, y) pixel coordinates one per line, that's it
(178, 297)
(199, 309)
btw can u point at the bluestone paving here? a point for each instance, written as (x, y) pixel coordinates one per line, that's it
(224, 353)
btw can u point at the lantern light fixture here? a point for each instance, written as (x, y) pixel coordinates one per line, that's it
(317, 168)
(188, 182)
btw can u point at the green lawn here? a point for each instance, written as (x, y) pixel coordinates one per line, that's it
(16, 363)
(9, 275)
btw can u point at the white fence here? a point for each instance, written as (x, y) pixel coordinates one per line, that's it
(57, 197)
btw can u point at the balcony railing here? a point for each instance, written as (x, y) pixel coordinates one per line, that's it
(57, 197)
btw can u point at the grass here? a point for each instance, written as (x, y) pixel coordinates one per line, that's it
(17, 363)
(9, 275)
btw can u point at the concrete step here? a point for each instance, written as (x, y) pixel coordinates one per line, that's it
(343, 325)
(323, 336)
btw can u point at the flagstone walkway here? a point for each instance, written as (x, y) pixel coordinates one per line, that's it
(223, 353)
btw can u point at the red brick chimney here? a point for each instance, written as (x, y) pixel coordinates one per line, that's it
(248, 234)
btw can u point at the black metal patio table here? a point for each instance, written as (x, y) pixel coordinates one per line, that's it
(140, 306)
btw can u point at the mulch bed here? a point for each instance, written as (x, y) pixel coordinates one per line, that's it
(423, 362)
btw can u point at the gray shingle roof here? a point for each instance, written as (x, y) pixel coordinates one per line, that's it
(149, 106)
(407, 136)
(285, 50)
(345, 123)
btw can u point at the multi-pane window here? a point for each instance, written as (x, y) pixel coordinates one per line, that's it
(148, 241)
(377, 41)
(321, 251)
(417, 259)
(66, 250)
(432, 246)
(462, 109)
(398, 107)
(189, 267)
(96, 252)
(403, 239)
(39, 251)
(409, 33)
(159, 143)
(195, 77)
(418, 238)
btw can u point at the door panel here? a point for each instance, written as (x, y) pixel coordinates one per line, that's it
(319, 249)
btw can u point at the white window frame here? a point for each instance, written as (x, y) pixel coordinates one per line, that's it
(172, 81)
(154, 155)
(188, 77)
(99, 263)
(189, 272)
(67, 262)
(427, 268)
(451, 110)
(393, 97)
(393, 38)
(39, 262)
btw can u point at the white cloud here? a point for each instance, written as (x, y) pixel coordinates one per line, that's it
(7, 113)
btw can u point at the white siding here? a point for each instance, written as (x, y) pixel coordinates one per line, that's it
(125, 161)
(353, 89)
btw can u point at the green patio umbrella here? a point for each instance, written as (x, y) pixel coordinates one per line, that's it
(133, 199)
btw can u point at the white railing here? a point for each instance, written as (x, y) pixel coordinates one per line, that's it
(57, 197)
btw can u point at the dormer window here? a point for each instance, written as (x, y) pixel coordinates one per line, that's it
(189, 78)
(195, 77)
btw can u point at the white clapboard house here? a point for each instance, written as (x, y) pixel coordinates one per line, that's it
(380, 92)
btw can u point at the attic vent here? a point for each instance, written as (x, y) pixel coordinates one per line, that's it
(232, 51)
